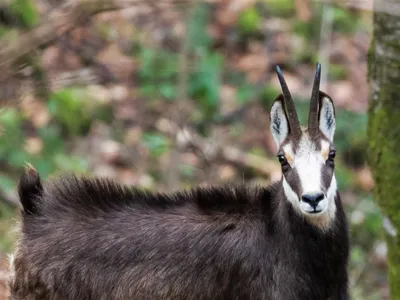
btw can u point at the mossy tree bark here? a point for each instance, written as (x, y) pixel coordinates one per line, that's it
(384, 132)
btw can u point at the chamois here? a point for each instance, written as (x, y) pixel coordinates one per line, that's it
(90, 238)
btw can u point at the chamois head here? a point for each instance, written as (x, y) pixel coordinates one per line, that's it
(306, 154)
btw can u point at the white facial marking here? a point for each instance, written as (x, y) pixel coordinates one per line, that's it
(289, 154)
(325, 147)
(290, 194)
(308, 163)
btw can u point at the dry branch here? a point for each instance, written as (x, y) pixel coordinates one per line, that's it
(213, 150)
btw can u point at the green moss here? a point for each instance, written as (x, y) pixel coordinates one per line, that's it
(383, 133)
(394, 265)
(383, 157)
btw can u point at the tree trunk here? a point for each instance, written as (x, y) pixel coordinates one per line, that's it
(384, 132)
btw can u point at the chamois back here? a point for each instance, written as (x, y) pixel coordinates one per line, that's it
(94, 239)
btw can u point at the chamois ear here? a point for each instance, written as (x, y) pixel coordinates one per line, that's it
(327, 123)
(279, 125)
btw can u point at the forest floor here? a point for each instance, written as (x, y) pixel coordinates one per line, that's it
(114, 57)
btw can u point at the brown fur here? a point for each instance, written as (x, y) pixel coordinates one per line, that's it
(94, 239)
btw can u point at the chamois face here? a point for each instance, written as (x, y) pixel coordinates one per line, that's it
(307, 158)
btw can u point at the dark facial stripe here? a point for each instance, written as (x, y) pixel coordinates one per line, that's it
(326, 176)
(293, 179)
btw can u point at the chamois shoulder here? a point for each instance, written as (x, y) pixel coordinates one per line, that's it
(87, 194)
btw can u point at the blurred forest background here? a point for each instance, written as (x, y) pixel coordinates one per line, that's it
(168, 94)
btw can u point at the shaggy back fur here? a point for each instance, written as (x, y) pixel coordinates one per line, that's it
(93, 239)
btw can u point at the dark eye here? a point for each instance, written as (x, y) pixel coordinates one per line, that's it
(332, 155)
(282, 159)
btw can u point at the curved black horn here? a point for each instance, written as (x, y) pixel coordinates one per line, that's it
(293, 119)
(313, 115)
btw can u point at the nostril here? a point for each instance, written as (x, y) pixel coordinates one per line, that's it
(313, 199)
(319, 197)
(307, 198)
